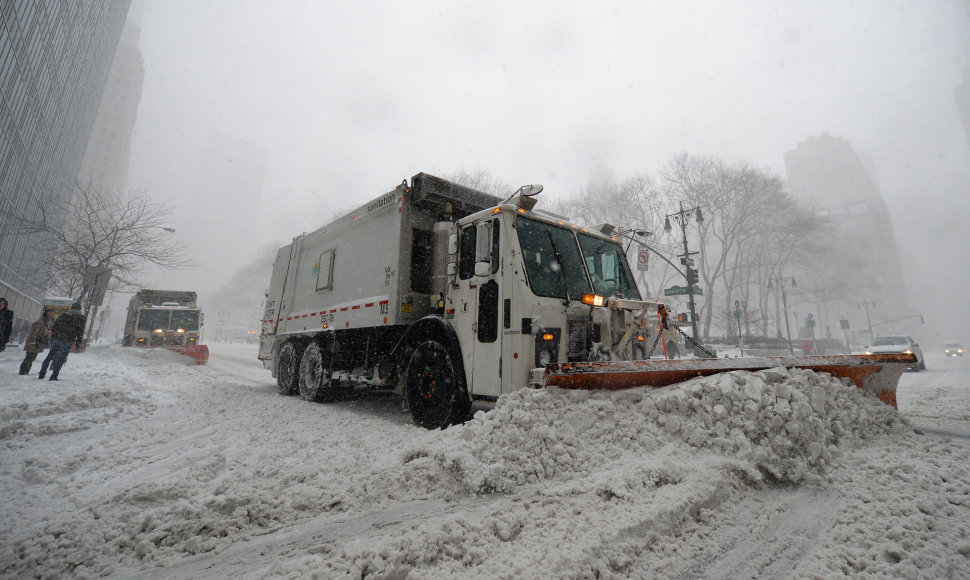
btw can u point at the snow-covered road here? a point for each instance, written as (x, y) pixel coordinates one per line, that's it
(136, 464)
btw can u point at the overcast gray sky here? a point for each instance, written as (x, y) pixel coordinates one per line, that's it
(345, 99)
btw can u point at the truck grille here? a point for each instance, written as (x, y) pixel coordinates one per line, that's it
(576, 327)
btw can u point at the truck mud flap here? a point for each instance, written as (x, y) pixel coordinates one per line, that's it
(877, 374)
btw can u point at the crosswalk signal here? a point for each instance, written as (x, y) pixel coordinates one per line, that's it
(682, 317)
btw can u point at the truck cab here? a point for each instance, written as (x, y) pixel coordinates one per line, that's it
(516, 299)
(165, 324)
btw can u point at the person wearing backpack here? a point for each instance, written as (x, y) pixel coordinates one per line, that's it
(38, 340)
(66, 330)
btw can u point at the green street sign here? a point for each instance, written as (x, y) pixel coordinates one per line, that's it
(681, 291)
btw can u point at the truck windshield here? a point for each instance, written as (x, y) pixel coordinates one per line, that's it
(552, 259)
(185, 319)
(608, 268)
(152, 319)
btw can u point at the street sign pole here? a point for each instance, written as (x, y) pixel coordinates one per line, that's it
(737, 315)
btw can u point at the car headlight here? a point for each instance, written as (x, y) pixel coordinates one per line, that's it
(868, 351)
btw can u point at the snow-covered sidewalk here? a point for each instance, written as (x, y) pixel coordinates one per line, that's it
(138, 464)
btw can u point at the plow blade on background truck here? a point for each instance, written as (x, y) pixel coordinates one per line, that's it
(199, 352)
(877, 374)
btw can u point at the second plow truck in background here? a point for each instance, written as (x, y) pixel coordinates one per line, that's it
(446, 295)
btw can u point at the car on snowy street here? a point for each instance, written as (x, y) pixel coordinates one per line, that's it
(898, 343)
(953, 349)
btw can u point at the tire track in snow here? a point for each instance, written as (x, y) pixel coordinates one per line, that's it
(766, 535)
(266, 554)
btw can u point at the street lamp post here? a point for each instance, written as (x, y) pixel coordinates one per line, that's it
(866, 304)
(784, 281)
(738, 305)
(682, 217)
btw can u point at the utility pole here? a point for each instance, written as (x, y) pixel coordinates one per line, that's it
(682, 217)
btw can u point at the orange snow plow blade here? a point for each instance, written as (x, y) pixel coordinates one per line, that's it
(874, 373)
(199, 352)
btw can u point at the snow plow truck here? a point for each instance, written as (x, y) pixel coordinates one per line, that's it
(168, 319)
(447, 295)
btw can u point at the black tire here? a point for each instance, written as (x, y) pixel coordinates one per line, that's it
(315, 382)
(435, 394)
(288, 368)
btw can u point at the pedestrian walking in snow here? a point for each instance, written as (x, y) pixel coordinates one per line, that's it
(67, 330)
(672, 350)
(6, 324)
(38, 340)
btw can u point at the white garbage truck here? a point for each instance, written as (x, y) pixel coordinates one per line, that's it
(448, 295)
(441, 292)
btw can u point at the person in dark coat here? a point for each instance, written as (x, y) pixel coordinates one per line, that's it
(38, 340)
(672, 350)
(6, 324)
(66, 330)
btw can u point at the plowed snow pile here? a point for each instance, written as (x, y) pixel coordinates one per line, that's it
(138, 464)
(784, 423)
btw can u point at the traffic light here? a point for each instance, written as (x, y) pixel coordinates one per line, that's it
(691, 276)
(682, 317)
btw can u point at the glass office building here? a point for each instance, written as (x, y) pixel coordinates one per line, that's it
(55, 56)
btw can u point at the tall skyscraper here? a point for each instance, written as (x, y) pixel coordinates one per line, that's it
(54, 60)
(108, 153)
(827, 172)
(962, 91)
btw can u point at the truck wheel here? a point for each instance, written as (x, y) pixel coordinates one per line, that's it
(431, 388)
(315, 383)
(287, 372)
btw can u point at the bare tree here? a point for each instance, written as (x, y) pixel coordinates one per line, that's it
(95, 237)
(753, 228)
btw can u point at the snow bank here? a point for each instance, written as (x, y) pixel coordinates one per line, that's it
(784, 423)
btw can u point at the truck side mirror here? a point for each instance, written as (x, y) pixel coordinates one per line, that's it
(483, 249)
(452, 244)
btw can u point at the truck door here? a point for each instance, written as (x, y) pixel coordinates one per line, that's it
(478, 309)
